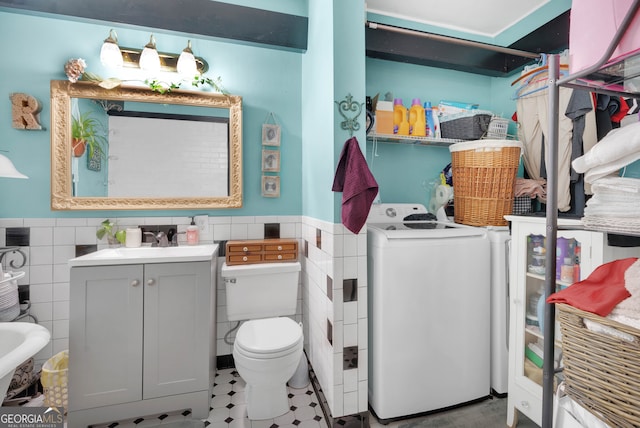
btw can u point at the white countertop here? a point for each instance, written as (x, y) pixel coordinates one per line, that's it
(143, 255)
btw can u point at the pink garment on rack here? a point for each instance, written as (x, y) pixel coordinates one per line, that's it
(357, 184)
(593, 26)
(601, 291)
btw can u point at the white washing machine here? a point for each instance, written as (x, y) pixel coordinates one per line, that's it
(500, 240)
(429, 322)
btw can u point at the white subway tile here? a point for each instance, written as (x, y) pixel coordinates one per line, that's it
(350, 315)
(41, 274)
(363, 396)
(350, 403)
(363, 333)
(61, 273)
(63, 253)
(41, 255)
(61, 310)
(60, 291)
(64, 236)
(41, 293)
(41, 236)
(350, 382)
(86, 235)
(350, 335)
(60, 329)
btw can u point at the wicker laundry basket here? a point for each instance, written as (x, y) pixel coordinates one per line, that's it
(484, 174)
(602, 371)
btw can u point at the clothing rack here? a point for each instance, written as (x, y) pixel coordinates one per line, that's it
(554, 85)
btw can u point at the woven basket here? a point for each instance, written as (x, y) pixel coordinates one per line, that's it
(484, 174)
(602, 371)
(471, 125)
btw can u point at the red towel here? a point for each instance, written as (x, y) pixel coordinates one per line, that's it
(354, 179)
(600, 292)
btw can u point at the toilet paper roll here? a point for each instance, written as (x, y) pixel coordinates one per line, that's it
(442, 194)
(433, 206)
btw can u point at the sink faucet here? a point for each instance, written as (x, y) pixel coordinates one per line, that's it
(160, 239)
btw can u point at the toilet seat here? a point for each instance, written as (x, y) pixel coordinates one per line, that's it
(268, 338)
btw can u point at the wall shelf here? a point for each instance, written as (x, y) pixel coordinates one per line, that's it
(408, 139)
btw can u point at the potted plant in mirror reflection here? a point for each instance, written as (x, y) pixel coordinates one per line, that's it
(114, 236)
(87, 131)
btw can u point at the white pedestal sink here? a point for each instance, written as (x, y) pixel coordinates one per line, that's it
(19, 341)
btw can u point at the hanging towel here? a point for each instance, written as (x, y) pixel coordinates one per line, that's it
(354, 179)
(601, 291)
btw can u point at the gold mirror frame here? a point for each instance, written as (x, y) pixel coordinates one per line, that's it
(63, 91)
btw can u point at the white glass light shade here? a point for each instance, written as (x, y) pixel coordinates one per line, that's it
(187, 62)
(110, 55)
(149, 58)
(7, 169)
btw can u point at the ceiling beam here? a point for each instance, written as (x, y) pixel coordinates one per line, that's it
(199, 17)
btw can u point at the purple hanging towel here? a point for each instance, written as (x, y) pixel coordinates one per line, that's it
(354, 179)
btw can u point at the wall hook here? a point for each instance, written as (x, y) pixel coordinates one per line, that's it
(348, 105)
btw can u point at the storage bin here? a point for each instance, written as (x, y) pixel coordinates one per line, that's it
(471, 125)
(602, 371)
(54, 379)
(484, 174)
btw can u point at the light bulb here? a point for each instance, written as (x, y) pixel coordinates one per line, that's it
(187, 62)
(149, 58)
(110, 55)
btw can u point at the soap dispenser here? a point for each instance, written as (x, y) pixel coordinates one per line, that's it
(192, 233)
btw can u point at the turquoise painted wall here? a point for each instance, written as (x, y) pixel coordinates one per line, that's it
(318, 111)
(269, 80)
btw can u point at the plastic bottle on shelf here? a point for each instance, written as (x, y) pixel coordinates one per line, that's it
(428, 111)
(436, 123)
(566, 270)
(417, 126)
(400, 119)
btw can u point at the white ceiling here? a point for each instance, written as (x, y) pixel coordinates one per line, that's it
(482, 17)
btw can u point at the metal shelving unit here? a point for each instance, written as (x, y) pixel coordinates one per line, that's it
(608, 77)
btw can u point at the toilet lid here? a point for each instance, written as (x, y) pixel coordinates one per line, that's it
(270, 335)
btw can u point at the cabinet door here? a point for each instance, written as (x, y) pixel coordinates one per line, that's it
(583, 252)
(105, 336)
(176, 320)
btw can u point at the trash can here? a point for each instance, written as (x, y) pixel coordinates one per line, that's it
(54, 379)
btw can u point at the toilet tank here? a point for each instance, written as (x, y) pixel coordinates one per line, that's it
(261, 290)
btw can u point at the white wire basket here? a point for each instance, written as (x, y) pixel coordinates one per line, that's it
(497, 128)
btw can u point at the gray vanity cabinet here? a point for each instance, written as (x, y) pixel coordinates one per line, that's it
(140, 340)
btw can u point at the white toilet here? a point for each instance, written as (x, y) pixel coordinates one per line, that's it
(268, 346)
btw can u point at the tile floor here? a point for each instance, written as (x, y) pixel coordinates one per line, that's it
(229, 410)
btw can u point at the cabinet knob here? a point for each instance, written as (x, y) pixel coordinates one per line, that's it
(151, 281)
(245, 249)
(135, 282)
(245, 258)
(279, 247)
(279, 256)
(524, 404)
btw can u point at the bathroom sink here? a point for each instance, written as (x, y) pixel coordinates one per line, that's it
(19, 341)
(124, 255)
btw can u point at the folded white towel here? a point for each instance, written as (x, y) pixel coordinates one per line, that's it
(617, 149)
(628, 311)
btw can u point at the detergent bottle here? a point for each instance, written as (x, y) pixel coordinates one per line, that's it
(428, 111)
(417, 119)
(400, 119)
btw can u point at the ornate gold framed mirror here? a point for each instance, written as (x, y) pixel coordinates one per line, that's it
(144, 149)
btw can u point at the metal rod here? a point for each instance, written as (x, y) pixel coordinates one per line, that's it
(453, 40)
(612, 46)
(552, 231)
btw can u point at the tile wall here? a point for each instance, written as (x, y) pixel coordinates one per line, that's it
(332, 302)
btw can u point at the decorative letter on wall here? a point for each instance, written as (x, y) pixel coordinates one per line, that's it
(25, 110)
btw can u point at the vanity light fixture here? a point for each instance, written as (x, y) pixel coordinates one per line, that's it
(187, 62)
(110, 55)
(8, 169)
(149, 58)
(137, 58)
